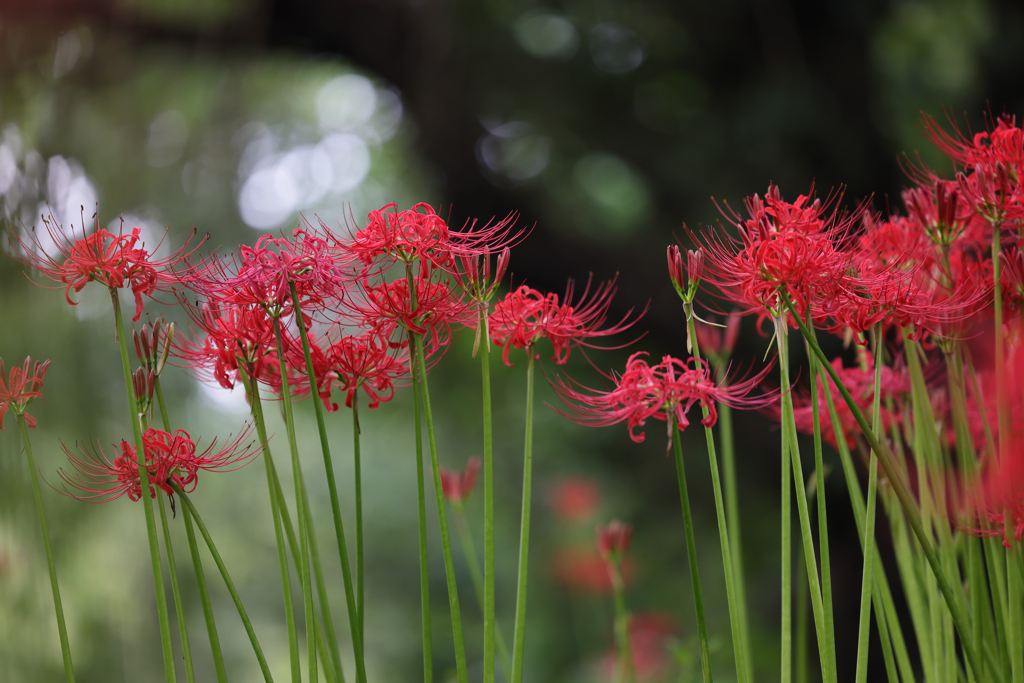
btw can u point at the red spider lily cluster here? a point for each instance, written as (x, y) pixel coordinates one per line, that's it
(646, 391)
(171, 459)
(19, 388)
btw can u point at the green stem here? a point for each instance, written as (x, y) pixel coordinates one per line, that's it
(691, 550)
(358, 475)
(446, 545)
(622, 623)
(786, 675)
(802, 628)
(868, 543)
(140, 451)
(179, 607)
(1014, 590)
(227, 582)
(256, 407)
(304, 577)
(905, 498)
(428, 657)
(823, 544)
(736, 608)
(519, 637)
(490, 622)
(354, 614)
(197, 562)
(473, 565)
(65, 647)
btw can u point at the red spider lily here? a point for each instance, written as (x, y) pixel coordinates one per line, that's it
(153, 344)
(860, 382)
(112, 260)
(613, 541)
(458, 485)
(575, 499)
(525, 316)
(1003, 144)
(19, 388)
(416, 233)
(170, 459)
(686, 278)
(364, 361)
(644, 391)
(715, 344)
(236, 338)
(649, 633)
(388, 307)
(784, 246)
(584, 570)
(997, 497)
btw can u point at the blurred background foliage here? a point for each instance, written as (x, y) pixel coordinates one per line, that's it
(605, 124)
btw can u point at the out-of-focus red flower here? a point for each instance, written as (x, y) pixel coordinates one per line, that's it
(170, 458)
(575, 499)
(613, 541)
(525, 316)
(997, 497)
(713, 343)
(457, 486)
(649, 633)
(644, 391)
(112, 260)
(19, 388)
(584, 570)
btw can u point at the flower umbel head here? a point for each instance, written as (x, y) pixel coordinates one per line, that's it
(171, 458)
(19, 388)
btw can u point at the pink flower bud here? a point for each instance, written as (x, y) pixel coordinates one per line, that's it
(613, 540)
(457, 486)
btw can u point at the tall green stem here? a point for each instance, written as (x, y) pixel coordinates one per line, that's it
(179, 606)
(786, 675)
(354, 614)
(300, 510)
(622, 623)
(446, 544)
(868, 543)
(140, 451)
(358, 475)
(421, 504)
(472, 564)
(691, 550)
(197, 563)
(737, 610)
(256, 407)
(906, 500)
(519, 637)
(65, 647)
(490, 622)
(227, 582)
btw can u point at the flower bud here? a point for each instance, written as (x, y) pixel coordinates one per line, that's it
(613, 540)
(457, 486)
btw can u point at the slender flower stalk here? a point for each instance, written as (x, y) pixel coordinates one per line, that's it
(227, 582)
(179, 607)
(869, 526)
(889, 466)
(256, 406)
(354, 613)
(490, 622)
(446, 545)
(304, 570)
(65, 647)
(737, 609)
(421, 506)
(691, 551)
(154, 547)
(358, 477)
(197, 563)
(519, 632)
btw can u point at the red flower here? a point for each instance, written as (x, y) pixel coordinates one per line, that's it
(364, 361)
(233, 335)
(613, 541)
(525, 316)
(585, 571)
(170, 458)
(458, 485)
(575, 499)
(112, 260)
(649, 633)
(19, 388)
(388, 307)
(645, 391)
(416, 233)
